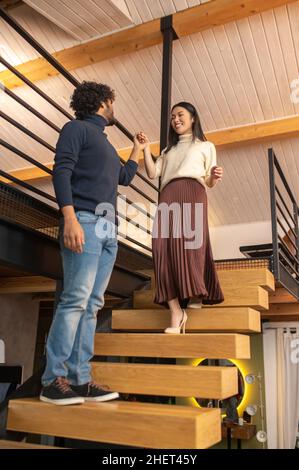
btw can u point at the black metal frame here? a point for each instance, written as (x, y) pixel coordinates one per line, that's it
(70, 78)
(12, 374)
(169, 35)
(33, 251)
(284, 263)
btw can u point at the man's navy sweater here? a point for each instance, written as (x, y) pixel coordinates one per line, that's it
(87, 169)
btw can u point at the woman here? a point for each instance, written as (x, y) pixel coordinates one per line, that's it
(184, 267)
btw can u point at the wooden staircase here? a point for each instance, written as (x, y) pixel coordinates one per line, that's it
(4, 444)
(212, 332)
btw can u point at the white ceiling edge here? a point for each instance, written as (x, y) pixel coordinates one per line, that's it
(122, 6)
(119, 4)
(34, 6)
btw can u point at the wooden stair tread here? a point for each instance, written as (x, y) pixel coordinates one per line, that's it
(247, 277)
(251, 296)
(239, 319)
(5, 444)
(211, 345)
(242, 277)
(169, 380)
(128, 423)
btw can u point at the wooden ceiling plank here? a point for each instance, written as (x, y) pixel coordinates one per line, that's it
(186, 22)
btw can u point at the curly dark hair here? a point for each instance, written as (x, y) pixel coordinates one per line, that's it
(88, 97)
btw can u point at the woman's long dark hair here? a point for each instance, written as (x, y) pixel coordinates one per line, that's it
(197, 131)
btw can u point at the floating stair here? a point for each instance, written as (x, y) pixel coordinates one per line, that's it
(239, 319)
(128, 423)
(169, 380)
(247, 277)
(218, 345)
(214, 332)
(4, 444)
(251, 296)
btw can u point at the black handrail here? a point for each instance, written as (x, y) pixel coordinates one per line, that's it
(53, 199)
(52, 149)
(30, 200)
(20, 30)
(25, 156)
(135, 241)
(285, 183)
(286, 233)
(30, 39)
(285, 247)
(57, 129)
(136, 224)
(134, 204)
(139, 191)
(27, 131)
(31, 109)
(50, 172)
(282, 254)
(27, 186)
(281, 211)
(44, 168)
(288, 262)
(63, 71)
(273, 213)
(141, 176)
(286, 207)
(45, 144)
(35, 88)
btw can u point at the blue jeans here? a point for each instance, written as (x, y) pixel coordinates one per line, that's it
(86, 276)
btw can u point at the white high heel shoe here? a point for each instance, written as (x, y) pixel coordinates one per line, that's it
(195, 303)
(182, 326)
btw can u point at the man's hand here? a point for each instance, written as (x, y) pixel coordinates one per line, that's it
(73, 234)
(141, 141)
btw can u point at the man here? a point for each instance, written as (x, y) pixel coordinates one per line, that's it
(86, 174)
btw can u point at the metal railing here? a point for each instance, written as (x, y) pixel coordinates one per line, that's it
(71, 79)
(285, 233)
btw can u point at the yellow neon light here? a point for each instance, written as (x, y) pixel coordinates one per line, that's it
(243, 369)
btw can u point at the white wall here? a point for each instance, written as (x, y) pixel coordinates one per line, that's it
(270, 372)
(227, 239)
(2, 351)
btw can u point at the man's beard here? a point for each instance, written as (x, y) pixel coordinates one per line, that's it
(111, 120)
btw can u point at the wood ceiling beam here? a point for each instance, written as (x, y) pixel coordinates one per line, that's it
(282, 296)
(186, 22)
(223, 139)
(285, 128)
(282, 311)
(219, 12)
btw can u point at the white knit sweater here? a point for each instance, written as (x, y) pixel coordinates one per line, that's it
(187, 159)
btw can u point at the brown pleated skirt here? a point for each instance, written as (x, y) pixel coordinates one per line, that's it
(184, 272)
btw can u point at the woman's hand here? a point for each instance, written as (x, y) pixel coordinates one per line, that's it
(217, 173)
(141, 141)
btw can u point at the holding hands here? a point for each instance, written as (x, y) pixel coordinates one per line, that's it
(141, 141)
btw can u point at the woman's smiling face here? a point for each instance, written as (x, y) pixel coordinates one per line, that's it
(181, 120)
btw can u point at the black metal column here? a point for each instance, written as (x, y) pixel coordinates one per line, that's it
(275, 246)
(168, 37)
(295, 213)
